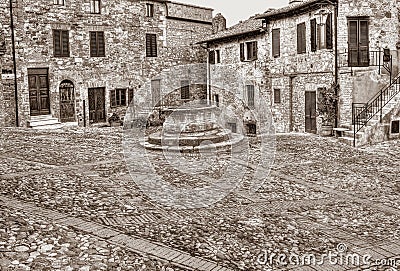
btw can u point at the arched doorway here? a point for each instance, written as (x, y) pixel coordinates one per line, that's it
(67, 101)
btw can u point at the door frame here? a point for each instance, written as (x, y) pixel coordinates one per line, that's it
(39, 72)
(309, 115)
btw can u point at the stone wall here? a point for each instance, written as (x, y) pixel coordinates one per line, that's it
(125, 64)
(360, 84)
(294, 74)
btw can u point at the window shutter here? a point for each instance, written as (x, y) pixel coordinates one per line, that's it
(276, 42)
(151, 45)
(313, 24)
(113, 98)
(242, 52)
(100, 44)
(255, 50)
(65, 43)
(329, 38)
(57, 42)
(277, 96)
(250, 95)
(93, 44)
(353, 43)
(301, 36)
(211, 57)
(130, 95)
(123, 97)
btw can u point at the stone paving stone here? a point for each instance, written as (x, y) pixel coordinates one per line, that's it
(171, 255)
(386, 254)
(183, 258)
(207, 266)
(392, 247)
(106, 233)
(305, 268)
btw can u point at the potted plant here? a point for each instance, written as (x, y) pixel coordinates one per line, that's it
(114, 120)
(327, 102)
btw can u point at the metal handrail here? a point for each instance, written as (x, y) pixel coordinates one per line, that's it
(364, 112)
(375, 59)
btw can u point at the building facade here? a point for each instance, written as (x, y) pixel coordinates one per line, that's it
(81, 61)
(312, 47)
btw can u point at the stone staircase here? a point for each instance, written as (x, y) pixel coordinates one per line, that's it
(45, 122)
(374, 126)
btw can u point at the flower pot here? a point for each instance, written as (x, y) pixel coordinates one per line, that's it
(326, 130)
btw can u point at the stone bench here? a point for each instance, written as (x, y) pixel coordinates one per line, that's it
(339, 131)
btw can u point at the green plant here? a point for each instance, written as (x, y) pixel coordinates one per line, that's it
(327, 103)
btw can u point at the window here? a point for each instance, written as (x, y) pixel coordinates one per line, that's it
(313, 24)
(118, 97)
(233, 127)
(61, 43)
(395, 127)
(358, 42)
(58, 2)
(97, 45)
(216, 99)
(276, 42)
(250, 95)
(277, 96)
(301, 38)
(156, 92)
(151, 45)
(95, 6)
(214, 56)
(185, 89)
(248, 51)
(149, 10)
(252, 129)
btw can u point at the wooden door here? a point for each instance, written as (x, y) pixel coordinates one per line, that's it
(67, 101)
(39, 98)
(97, 112)
(358, 43)
(311, 111)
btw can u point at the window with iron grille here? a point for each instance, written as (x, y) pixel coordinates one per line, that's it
(61, 43)
(250, 95)
(149, 10)
(301, 38)
(58, 2)
(118, 97)
(185, 90)
(95, 6)
(277, 96)
(151, 45)
(97, 45)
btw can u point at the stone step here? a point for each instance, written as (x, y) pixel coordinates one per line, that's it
(351, 134)
(347, 140)
(49, 127)
(44, 122)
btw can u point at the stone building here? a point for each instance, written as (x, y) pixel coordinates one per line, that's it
(80, 61)
(311, 46)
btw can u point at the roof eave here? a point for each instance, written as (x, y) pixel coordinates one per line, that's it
(255, 32)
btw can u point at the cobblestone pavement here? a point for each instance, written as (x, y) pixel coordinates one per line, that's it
(320, 195)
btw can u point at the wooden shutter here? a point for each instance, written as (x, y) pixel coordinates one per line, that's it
(130, 95)
(329, 32)
(255, 50)
(65, 43)
(313, 24)
(218, 55)
(301, 36)
(122, 97)
(211, 57)
(353, 43)
(93, 44)
(151, 45)
(250, 95)
(100, 44)
(242, 52)
(57, 42)
(276, 42)
(113, 98)
(277, 96)
(364, 43)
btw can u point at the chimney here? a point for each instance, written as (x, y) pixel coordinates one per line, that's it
(218, 23)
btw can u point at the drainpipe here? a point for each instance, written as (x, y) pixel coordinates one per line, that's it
(208, 74)
(14, 65)
(336, 63)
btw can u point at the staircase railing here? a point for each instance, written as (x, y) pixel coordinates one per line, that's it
(363, 113)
